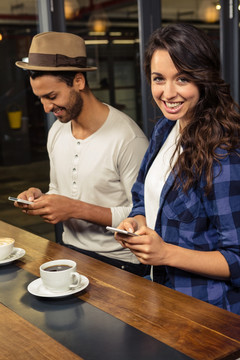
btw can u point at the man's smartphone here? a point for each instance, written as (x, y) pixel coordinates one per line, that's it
(124, 232)
(20, 200)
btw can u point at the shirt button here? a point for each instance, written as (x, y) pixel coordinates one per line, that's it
(78, 143)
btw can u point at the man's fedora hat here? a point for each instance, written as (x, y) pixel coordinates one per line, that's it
(56, 51)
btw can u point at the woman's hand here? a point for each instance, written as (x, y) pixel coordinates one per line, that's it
(129, 224)
(148, 246)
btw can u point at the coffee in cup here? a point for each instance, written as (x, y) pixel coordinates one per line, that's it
(6, 247)
(60, 275)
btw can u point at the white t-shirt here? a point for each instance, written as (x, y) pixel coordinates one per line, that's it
(99, 170)
(158, 174)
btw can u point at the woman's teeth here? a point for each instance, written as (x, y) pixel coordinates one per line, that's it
(173, 105)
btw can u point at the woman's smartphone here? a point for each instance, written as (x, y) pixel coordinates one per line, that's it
(20, 200)
(120, 231)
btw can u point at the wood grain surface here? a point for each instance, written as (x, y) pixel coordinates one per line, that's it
(193, 327)
(27, 341)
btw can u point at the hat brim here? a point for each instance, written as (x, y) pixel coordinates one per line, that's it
(26, 66)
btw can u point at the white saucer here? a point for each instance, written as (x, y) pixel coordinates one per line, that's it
(17, 253)
(37, 288)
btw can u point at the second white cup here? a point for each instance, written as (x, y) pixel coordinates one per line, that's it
(6, 247)
(60, 275)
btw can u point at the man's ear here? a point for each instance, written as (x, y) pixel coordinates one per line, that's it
(79, 81)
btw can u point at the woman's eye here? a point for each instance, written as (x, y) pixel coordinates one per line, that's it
(157, 79)
(183, 80)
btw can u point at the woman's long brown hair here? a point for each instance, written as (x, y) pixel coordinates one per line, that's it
(215, 120)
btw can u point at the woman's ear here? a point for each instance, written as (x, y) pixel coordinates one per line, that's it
(79, 81)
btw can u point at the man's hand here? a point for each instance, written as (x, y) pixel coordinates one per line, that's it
(31, 194)
(52, 208)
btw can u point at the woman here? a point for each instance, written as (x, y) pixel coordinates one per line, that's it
(186, 200)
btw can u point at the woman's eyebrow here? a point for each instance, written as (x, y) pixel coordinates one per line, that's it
(155, 73)
(180, 73)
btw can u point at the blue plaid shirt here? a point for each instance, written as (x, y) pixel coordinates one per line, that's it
(198, 222)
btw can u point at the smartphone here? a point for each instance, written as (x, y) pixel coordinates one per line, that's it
(20, 200)
(124, 232)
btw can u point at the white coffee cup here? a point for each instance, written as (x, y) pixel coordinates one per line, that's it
(6, 247)
(60, 275)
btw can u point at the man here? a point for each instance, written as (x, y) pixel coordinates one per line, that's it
(95, 152)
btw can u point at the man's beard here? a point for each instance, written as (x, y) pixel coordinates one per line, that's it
(74, 109)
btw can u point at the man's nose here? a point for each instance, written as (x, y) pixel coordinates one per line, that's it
(47, 105)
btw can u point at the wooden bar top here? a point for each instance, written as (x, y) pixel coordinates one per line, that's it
(43, 347)
(193, 327)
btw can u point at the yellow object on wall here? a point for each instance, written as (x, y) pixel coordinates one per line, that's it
(15, 119)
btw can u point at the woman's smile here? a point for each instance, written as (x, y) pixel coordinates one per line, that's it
(172, 107)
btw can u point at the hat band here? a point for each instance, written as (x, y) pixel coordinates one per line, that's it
(56, 60)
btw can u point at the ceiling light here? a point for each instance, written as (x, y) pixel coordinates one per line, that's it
(69, 10)
(115, 33)
(98, 22)
(96, 33)
(96, 42)
(124, 41)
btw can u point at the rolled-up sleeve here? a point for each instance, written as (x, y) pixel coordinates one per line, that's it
(223, 207)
